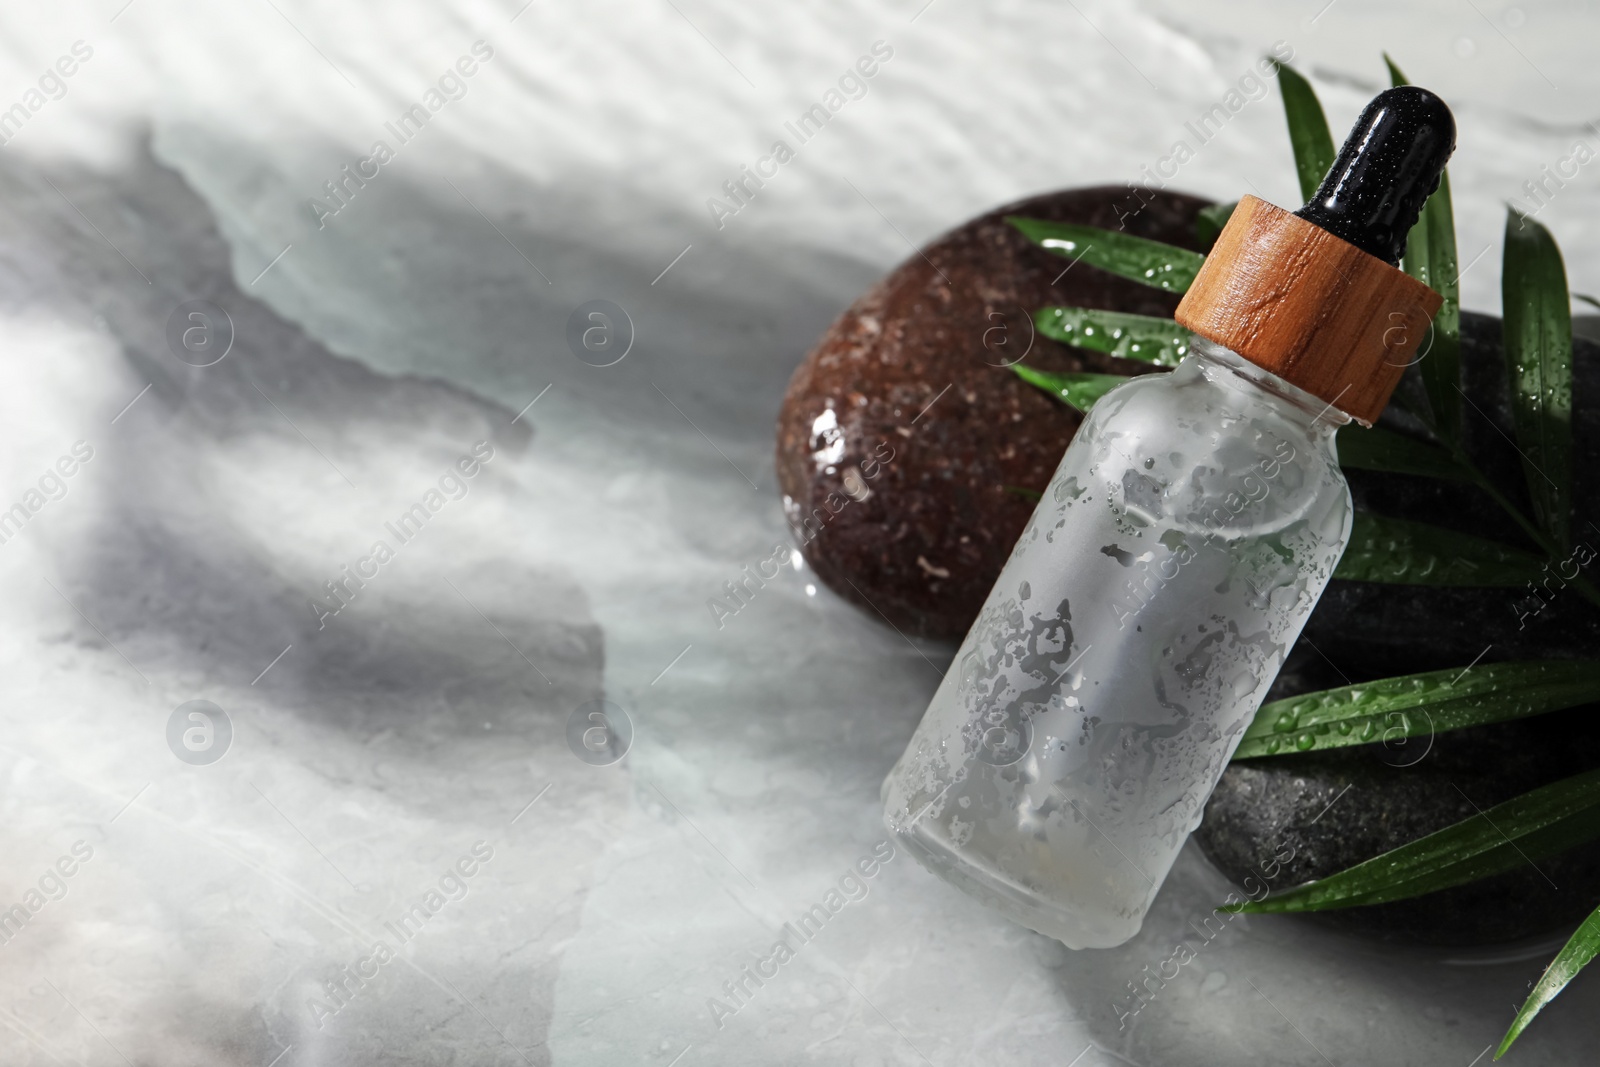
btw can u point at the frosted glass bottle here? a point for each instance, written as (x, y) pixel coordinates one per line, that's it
(1132, 635)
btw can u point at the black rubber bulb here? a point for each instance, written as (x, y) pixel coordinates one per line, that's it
(1388, 166)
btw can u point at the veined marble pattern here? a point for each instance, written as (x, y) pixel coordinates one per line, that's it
(230, 913)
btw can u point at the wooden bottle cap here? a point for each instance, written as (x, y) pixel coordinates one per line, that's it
(1311, 308)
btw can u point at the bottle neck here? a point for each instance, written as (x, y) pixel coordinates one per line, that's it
(1231, 370)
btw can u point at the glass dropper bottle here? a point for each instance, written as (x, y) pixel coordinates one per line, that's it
(1173, 560)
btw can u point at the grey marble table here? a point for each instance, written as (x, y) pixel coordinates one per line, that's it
(400, 858)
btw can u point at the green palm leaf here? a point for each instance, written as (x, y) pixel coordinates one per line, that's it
(1308, 130)
(1153, 263)
(1377, 449)
(1418, 705)
(1146, 338)
(1209, 222)
(1077, 390)
(1578, 951)
(1524, 829)
(1402, 552)
(1538, 343)
(1431, 259)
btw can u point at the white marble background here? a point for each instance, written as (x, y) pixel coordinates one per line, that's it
(370, 754)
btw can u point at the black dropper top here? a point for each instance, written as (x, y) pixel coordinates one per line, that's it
(1388, 166)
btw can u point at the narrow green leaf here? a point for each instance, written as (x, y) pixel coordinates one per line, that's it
(1153, 263)
(1402, 552)
(1538, 344)
(1308, 130)
(1524, 829)
(1377, 449)
(1431, 259)
(1416, 705)
(1587, 299)
(1147, 338)
(1209, 222)
(1077, 390)
(1578, 951)
(1395, 77)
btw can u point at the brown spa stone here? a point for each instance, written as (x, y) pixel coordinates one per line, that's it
(908, 454)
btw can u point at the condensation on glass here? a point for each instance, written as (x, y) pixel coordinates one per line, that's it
(1132, 635)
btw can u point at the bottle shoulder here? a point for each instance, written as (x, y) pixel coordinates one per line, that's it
(1182, 449)
(1185, 409)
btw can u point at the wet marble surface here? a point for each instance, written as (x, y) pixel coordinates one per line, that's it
(380, 753)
